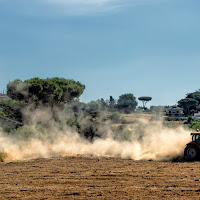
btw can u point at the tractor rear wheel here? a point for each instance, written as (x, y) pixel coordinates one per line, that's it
(191, 152)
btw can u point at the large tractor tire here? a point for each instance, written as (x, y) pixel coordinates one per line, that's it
(192, 152)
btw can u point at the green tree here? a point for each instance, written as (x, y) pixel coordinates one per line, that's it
(112, 104)
(188, 104)
(158, 109)
(46, 91)
(144, 100)
(126, 103)
(194, 95)
(104, 105)
(94, 106)
(12, 109)
(192, 111)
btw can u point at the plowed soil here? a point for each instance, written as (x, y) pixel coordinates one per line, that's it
(99, 178)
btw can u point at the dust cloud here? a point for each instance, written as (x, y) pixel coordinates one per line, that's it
(146, 141)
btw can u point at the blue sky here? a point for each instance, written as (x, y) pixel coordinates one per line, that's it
(144, 47)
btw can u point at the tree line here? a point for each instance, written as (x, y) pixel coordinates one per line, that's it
(191, 103)
(64, 94)
(61, 91)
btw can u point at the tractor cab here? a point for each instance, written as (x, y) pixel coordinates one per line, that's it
(196, 137)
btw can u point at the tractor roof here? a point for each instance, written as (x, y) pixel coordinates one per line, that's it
(195, 133)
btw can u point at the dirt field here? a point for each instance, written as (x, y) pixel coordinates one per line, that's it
(99, 178)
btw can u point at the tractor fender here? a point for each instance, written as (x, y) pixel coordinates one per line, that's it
(193, 143)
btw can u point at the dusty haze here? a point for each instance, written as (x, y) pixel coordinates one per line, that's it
(146, 141)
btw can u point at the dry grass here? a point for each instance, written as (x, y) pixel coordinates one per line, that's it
(143, 117)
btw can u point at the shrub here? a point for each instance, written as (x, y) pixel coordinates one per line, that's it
(6, 129)
(25, 132)
(121, 133)
(12, 109)
(175, 118)
(115, 117)
(155, 118)
(1, 157)
(2, 112)
(195, 125)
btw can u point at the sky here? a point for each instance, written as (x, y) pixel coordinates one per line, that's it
(143, 47)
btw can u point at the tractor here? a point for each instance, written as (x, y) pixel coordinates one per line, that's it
(192, 149)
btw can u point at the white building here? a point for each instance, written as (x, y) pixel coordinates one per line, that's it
(197, 115)
(174, 111)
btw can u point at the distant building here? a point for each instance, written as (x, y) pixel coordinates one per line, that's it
(174, 111)
(3, 97)
(197, 115)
